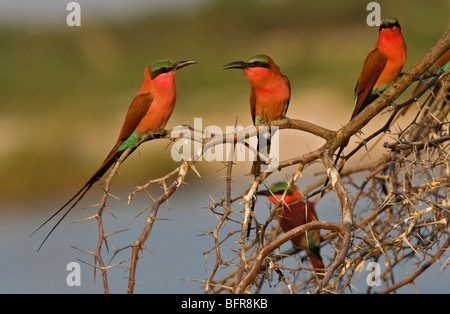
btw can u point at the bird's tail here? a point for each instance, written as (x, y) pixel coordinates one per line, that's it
(109, 161)
(317, 262)
(256, 166)
(255, 171)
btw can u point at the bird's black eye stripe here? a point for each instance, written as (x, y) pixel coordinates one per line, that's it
(160, 71)
(163, 70)
(390, 25)
(259, 64)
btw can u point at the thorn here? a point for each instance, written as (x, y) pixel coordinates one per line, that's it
(195, 170)
(85, 219)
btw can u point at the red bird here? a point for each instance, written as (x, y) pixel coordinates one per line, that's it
(296, 213)
(150, 110)
(383, 65)
(270, 93)
(269, 97)
(442, 64)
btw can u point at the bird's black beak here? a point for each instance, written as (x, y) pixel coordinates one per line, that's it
(235, 65)
(182, 64)
(264, 192)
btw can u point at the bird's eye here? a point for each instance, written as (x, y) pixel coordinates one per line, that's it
(163, 69)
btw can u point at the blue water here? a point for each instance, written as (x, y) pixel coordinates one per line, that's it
(175, 242)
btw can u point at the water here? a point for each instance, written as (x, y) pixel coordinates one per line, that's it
(176, 243)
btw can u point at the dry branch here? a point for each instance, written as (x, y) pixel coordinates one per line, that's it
(396, 225)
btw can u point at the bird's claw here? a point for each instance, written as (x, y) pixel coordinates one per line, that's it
(288, 122)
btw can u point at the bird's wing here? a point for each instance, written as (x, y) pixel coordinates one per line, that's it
(253, 104)
(286, 79)
(138, 108)
(372, 68)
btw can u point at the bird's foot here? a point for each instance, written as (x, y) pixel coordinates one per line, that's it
(288, 122)
(407, 74)
(160, 132)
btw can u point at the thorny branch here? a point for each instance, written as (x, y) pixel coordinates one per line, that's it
(406, 218)
(433, 138)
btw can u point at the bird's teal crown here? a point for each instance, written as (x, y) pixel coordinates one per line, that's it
(280, 187)
(161, 66)
(258, 61)
(389, 22)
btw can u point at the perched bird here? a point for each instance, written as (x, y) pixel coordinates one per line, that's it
(270, 93)
(383, 65)
(441, 64)
(150, 110)
(269, 97)
(296, 213)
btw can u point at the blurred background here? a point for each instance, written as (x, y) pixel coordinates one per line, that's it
(64, 92)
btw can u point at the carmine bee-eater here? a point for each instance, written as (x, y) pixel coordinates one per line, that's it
(150, 110)
(296, 213)
(270, 93)
(383, 65)
(269, 96)
(442, 64)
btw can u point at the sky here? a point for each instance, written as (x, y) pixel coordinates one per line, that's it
(50, 12)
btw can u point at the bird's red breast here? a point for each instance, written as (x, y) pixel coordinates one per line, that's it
(296, 213)
(270, 94)
(392, 46)
(163, 93)
(381, 67)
